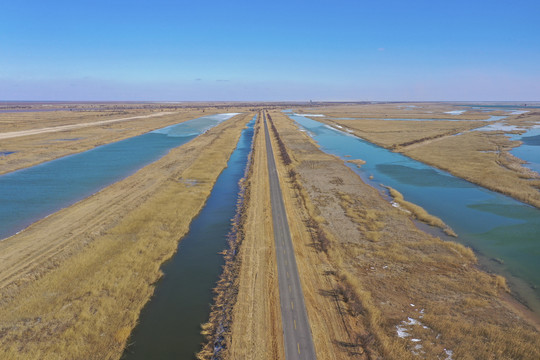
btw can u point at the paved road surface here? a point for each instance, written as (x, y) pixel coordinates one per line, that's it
(296, 330)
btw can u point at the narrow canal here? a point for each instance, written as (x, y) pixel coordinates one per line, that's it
(503, 231)
(169, 326)
(30, 194)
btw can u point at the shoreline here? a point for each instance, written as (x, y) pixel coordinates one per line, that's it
(109, 258)
(386, 260)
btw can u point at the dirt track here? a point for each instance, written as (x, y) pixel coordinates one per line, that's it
(13, 134)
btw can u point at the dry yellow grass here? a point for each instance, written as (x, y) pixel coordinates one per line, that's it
(73, 284)
(400, 274)
(330, 327)
(419, 213)
(482, 158)
(357, 162)
(479, 157)
(256, 331)
(34, 149)
(397, 110)
(396, 134)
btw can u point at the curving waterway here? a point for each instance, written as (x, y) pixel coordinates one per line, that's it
(30, 194)
(170, 324)
(503, 231)
(529, 150)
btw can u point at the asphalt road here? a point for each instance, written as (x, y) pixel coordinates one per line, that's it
(296, 330)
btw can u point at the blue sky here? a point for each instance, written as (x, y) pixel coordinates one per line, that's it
(272, 50)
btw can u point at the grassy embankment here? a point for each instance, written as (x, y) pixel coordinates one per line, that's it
(479, 157)
(419, 213)
(394, 279)
(72, 285)
(34, 149)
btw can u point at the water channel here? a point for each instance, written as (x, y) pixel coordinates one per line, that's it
(169, 325)
(503, 231)
(529, 150)
(30, 194)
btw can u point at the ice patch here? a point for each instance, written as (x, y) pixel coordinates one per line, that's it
(194, 127)
(455, 112)
(498, 127)
(401, 331)
(311, 115)
(225, 115)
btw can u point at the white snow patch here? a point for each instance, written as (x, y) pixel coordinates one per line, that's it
(401, 331)
(498, 127)
(415, 340)
(455, 112)
(449, 353)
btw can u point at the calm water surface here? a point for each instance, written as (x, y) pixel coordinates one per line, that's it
(496, 226)
(30, 194)
(169, 326)
(530, 149)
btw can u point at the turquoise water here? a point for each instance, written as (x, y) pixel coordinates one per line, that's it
(496, 226)
(491, 118)
(30, 194)
(169, 325)
(530, 149)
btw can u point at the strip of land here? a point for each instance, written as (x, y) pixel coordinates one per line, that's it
(296, 329)
(404, 293)
(47, 135)
(73, 132)
(72, 285)
(13, 134)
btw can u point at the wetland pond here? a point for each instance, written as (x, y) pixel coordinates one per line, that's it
(170, 323)
(503, 232)
(30, 194)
